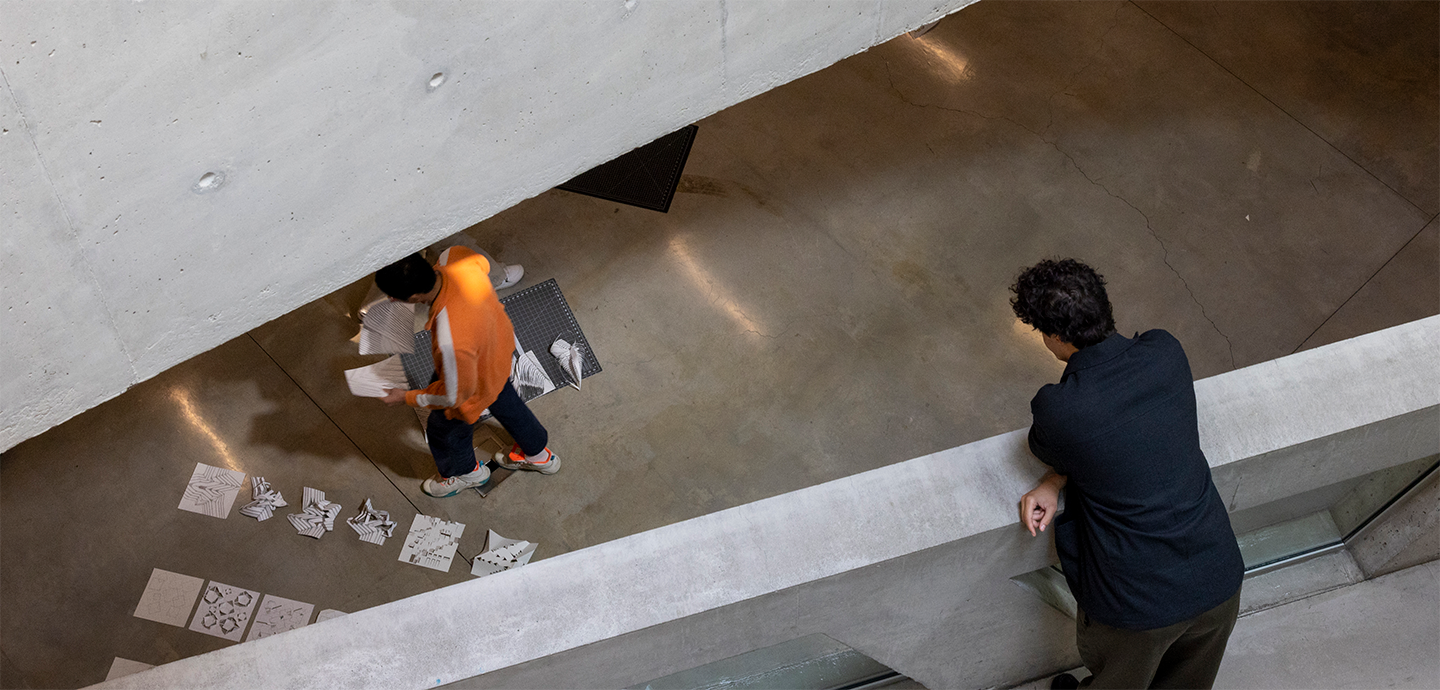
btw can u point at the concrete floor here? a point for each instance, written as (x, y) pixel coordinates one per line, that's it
(827, 295)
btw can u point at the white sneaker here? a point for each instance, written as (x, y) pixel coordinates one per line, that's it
(517, 460)
(444, 487)
(513, 274)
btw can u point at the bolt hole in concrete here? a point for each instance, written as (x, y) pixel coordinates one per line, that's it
(208, 182)
(437, 80)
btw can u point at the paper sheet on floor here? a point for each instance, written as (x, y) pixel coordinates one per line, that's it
(571, 358)
(317, 516)
(224, 611)
(278, 614)
(119, 668)
(371, 381)
(264, 500)
(387, 327)
(431, 543)
(211, 490)
(373, 526)
(501, 554)
(327, 614)
(168, 597)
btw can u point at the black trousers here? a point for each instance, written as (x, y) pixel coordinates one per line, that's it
(1184, 655)
(452, 441)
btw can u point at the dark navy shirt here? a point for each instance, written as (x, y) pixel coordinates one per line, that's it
(1145, 540)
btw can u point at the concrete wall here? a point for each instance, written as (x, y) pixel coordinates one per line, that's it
(332, 151)
(909, 564)
(1407, 534)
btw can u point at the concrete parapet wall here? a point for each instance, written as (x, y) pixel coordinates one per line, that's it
(336, 136)
(908, 564)
(1407, 534)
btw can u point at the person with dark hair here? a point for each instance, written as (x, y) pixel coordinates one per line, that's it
(472, 343)
(1145, 541)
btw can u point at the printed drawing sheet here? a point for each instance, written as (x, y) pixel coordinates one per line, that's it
(388, 328)
(168, 597)
(224, 611)
(212, 490)
(431, 543)
(371, 381)
(501, 554)
(277, 614)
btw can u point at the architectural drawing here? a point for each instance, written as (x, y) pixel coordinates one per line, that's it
(212, 490)
(224, 611)
(431, 543)
(168, 597)
(277, 614)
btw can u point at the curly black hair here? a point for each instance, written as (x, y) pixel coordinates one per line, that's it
(406, 278)
(1066, 299)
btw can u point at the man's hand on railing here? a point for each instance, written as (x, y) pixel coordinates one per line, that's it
(1038, 507)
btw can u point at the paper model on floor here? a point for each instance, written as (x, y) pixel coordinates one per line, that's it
(501, 554)
(264, 500)
(386, 327)
(571, 358)
(528, 372)
(431, 543)
(119, 668)
(327, 614)
(212, 490)
(371, 381)
(278, 614)
(169, 597)
(373, 526)
(317, 516)
(224, 611)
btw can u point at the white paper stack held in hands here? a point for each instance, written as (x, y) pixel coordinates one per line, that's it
(373, 526)
(388, 327)
(264, 500)
(572, 360)
(318, 516)
(501, 554)
(371, 381)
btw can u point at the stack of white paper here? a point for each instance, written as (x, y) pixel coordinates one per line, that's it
(318, 516)
(501, 554)
(572, 359)
(265, 500)
(371, 381)
(388, 328)
(373, 526)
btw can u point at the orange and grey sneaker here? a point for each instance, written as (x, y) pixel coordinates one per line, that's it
(545, 463)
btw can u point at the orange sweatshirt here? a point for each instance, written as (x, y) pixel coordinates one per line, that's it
(472, 339)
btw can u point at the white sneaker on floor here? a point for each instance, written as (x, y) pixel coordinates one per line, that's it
(513, 274)
(444, 487)
(517, 460)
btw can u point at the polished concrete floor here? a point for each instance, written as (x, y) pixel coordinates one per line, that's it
(827, 295)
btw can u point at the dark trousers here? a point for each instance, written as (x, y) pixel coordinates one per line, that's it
(452, 441)
(1184, 655)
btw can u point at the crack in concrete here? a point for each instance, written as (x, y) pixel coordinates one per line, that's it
(70, 225)
(1090, 60)
(1164, 248)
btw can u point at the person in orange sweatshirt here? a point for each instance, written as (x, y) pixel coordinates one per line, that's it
(472, 343)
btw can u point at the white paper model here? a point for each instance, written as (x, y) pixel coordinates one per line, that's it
(371, 381)
(571, 358)
(224, 611)
(501, 554)
(264, 500)
(317, 516)
(277, 614)
(119, 668)
(373, 526)
(212, 490)
(388, 327)
(168, 597)
(431, 543)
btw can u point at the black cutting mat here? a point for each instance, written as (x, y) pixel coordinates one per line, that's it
(646, 177)
(541, 315)
(420, 364)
